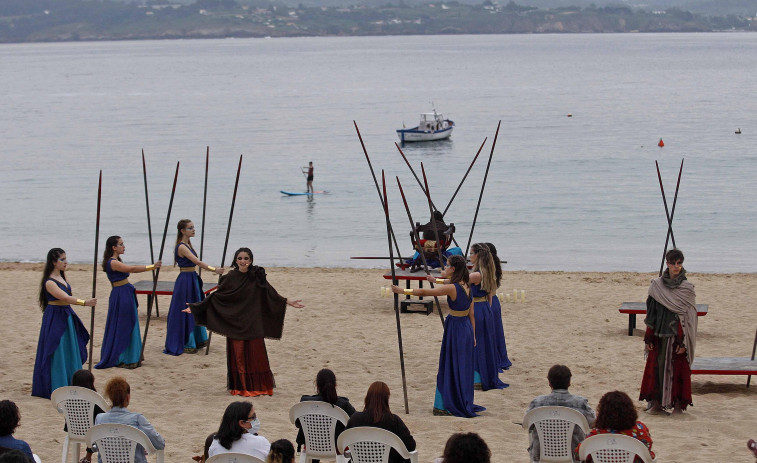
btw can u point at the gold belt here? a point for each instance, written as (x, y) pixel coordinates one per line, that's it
(115, 284)
(459, 313)
(57, 303)
(187, 269)
(481, 299)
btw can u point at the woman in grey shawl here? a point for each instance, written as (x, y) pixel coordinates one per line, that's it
(670, 338)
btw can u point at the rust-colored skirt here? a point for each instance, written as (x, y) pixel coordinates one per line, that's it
(249, 373)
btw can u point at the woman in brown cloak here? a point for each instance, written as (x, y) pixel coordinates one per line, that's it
(246, 309)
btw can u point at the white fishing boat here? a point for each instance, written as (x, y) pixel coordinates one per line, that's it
(433, 126)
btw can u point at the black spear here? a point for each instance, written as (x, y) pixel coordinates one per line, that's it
(672, 212)
(228, 231)
(378, 190)
(157, 270)
(754, 348)
(483, 184)
(204, 203)
(396, 296)
(149, 227)
(94, 269)
(464, 177)
(420, 249)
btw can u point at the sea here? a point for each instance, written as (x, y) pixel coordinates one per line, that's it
(570, 185)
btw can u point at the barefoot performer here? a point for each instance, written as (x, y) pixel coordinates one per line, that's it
(246, 309)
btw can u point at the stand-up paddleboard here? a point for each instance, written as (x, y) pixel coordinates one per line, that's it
(291, 193)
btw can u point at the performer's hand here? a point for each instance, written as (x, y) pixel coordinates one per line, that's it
(220, 270)
(649, 347)
(431, 279)
(296, 304)
(158, 264)
(397, 290)
(91, 302)
(680, 350)
(474, 341)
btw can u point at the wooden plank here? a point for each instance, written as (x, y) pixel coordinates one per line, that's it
(641, 308)
(724, 366)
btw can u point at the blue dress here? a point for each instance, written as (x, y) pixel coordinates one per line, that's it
(122, 344)
(499, 335)
(454, 381)
(485, 354)
(62, 346)
(181, 332)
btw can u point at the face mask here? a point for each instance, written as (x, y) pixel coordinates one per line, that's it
(254, 426)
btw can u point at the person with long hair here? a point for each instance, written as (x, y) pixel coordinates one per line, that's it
(496, 309)
(670, 339)
(282, 451)
(325, 386)
(62, 345)
(483, 278)
(246, 309)
(85, 378)
(454, 380)
(466, 447)
(237, 432)
(616, 414)
(377, 414)
(119, 393)
(122, 341)
(182, 335)
(9, 419)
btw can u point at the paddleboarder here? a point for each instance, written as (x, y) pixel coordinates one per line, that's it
(308, 171)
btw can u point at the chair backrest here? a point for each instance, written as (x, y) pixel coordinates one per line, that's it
(614, 448)
(232, 457)
(77, 404)
(318, 421)
(117, 443)
(554, 426)
(372, 445)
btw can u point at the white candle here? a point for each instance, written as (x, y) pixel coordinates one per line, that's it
(507, 297)
(522, 295)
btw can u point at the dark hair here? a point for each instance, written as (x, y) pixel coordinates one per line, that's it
(52, 258)
(616, 411)
(460, 272)
(497, 263)
(229, 431)
(118, 390)
(108, 253)
(559, 377)
(325, 383)
(84, 378)
(466, 448)
(282, 451)
(14, 456)
(234, 260)
(377, 401)
(9, 417)
(674, 255)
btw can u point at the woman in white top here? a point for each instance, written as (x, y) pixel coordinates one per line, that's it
(238, 432)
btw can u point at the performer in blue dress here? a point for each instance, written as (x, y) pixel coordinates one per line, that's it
(454, 381)
(483, 286)
(62, 345)
(122, 342)
(182, 336)
(499, 331)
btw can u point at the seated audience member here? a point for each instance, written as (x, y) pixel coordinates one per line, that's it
(14, 456)
(282, 451)
(238, 432)
(119, 393)
(9, 419)
(617, 415)
(325, 385)
(465, 448)
(85, 379)
(559, 380)
(205, 448)
(377, 414)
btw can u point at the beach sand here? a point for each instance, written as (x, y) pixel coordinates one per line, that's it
(568, 318)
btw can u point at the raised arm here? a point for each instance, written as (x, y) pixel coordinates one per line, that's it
(119, 266)
(185, 252)
(442, 290)
(55, 291)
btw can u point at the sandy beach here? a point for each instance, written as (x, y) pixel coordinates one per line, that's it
(568, 318)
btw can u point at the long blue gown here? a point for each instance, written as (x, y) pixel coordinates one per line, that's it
(122, 344)
(485, 354)
(62, 346)
(499, 335)
(454, 381)
(181, 332)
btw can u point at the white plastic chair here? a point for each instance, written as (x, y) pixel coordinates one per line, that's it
(232, 457)
(77, 404)
(372, 445)
(318, 421)
(614, 448)
(554, 426)
(117, 443)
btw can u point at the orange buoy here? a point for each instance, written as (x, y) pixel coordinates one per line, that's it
(661, 143)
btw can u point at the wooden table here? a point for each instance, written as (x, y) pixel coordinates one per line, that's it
(420, 277)
(165, 288)
(640, 308)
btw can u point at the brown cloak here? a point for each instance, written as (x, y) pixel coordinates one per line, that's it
(245, 306)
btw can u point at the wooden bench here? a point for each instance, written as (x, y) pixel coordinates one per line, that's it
(640, 308)
(165, 288)
(724, 366)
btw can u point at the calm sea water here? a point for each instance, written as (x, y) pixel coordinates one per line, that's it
(578, 193)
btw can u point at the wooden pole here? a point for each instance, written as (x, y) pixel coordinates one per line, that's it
(754, 348)
(94, 269)
(204, 203)
(228, 232)
(149, 227)
(157, 270)
(396, 296)
(672, 212)
(464, 177)
(483, 184)
(433, 220)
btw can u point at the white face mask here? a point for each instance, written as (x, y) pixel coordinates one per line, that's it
(254, 426)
